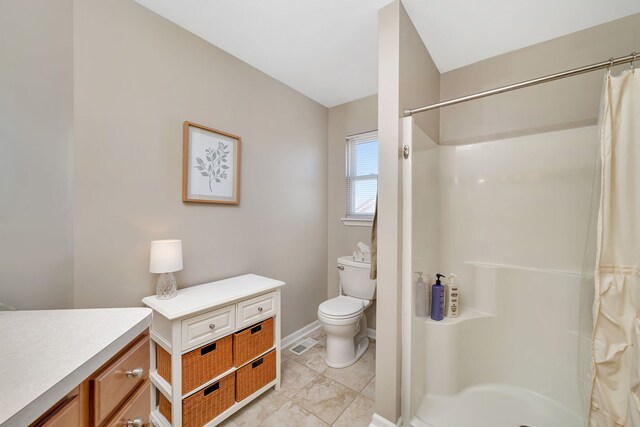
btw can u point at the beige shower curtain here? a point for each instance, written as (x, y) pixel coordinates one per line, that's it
(615, 390)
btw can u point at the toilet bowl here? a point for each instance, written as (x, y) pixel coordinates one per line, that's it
(343, 317)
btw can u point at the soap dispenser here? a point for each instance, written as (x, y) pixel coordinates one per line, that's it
(452, 303)
(437, 299)
(422, 308)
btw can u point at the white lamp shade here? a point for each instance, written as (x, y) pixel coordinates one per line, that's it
(166, 256)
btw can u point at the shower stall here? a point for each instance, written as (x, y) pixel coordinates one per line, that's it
(514, 219)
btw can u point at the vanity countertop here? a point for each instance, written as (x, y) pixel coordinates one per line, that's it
(44, 354)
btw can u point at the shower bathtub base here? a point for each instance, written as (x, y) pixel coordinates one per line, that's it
(493, 405)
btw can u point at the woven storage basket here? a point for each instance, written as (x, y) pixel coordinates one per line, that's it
(199, 365)
(203, 406)
(255, 375)
(252, 342)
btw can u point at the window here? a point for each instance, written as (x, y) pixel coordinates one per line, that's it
(362, 175)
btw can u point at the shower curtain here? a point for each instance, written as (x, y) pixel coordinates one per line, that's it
(615, 388)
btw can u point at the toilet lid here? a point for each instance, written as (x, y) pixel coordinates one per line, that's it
(342, 306)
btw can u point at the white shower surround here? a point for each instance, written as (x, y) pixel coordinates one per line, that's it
(510, 218)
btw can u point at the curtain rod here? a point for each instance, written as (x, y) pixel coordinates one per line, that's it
(569, 73)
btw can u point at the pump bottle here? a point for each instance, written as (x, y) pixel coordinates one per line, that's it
(437, 299)
(452, 303)
(422, 309)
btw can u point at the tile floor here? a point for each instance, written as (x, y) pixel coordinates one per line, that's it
(312, 394)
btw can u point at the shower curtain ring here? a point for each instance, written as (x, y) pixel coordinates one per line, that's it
(633, 59)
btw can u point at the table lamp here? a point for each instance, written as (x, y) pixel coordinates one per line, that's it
(166, 257)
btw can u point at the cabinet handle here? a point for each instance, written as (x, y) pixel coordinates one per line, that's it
(212, 325)
(138, 422)
(260, 309)
(135, 373)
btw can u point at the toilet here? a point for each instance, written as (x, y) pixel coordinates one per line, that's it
(343, 317)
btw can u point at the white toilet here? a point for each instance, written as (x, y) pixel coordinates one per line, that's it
(343, 317)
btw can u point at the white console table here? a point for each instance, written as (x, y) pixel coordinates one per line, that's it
(198, 316)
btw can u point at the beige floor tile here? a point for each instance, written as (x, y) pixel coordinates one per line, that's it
(370, 389)
(313, 358)
(356, 376)
(325, 398)
(318, 334)
(260, 409)
(228, 423)
(295, 377)
(358, 414)
(292, 415)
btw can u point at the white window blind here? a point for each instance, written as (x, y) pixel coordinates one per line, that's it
(362, 175)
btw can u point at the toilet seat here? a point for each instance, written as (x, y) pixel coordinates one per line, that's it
(342, 307)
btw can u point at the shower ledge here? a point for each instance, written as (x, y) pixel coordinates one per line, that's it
(465, 314)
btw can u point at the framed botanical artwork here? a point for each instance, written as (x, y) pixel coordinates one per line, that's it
(210, 166)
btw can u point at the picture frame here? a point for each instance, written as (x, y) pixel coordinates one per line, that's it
(210, 165)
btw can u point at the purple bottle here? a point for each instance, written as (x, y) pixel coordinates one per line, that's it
(437, 299)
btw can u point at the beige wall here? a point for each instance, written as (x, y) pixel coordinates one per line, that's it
(36, 112)
(137, 78)
(344, 120)
(562, 104)
(406, 75)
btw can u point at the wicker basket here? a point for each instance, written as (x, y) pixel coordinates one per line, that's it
(203, 406)
(255, 375)
(252, 342)
(200, 365)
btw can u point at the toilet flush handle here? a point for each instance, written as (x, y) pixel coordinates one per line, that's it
(341, 267)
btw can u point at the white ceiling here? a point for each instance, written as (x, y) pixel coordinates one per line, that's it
(459, 33)
(327, 49)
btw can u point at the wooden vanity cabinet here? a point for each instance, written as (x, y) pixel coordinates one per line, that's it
(117, 394)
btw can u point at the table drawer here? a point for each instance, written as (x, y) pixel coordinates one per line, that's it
(208, 326)
(251, 342)
(119, 379)
(137, 408)
(256, 309)
(200, 365)
(203, 406)
(255, 375)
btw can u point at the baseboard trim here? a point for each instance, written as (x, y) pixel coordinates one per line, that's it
(295, 336)
(305, 330)
(380, 421)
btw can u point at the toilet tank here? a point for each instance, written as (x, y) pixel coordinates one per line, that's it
(354, 278)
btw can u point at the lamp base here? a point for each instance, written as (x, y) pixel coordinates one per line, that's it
(167, 287)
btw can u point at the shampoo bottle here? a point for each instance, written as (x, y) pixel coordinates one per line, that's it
(452, 304)
(421, 296)
(437, 299)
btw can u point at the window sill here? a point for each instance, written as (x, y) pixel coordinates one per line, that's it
(358, 222)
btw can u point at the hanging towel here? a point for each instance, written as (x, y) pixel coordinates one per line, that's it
(373, 272)
(615, 388)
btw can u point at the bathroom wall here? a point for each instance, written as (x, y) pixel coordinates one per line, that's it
(566, 103)
(347, 119)
(406, 76)
(137, 78)
(36, 133)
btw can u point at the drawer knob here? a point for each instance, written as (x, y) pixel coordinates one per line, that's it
(260, 309)
(138, 422)
(135, 373)
(212, 325)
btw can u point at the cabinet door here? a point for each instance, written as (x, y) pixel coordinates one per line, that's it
(67, 416)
